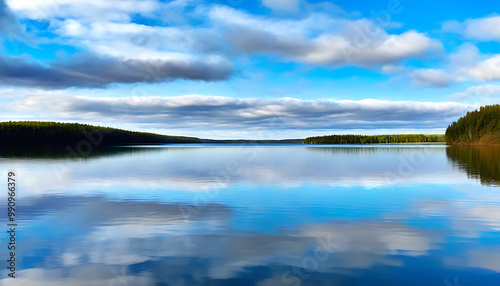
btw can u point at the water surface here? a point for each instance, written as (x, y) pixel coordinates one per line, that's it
(259, 215)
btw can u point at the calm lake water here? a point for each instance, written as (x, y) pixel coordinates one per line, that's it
(257, 215)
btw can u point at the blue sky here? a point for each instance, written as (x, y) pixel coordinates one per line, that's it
(263, 69)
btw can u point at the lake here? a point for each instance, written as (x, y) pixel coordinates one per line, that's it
(257, 215)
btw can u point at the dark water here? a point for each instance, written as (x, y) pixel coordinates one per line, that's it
(257, 215)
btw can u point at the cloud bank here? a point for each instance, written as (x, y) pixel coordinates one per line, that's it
(216, 112)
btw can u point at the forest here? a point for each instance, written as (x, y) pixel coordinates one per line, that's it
(34, 133)
(477, 127)
(375, 139)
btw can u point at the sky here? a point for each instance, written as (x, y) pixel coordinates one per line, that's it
(250, 69)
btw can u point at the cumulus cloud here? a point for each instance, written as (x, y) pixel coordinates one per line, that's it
(368, 51)
(481, 29)
(88, 70)
(466, 56)
(487, 70)
(484, 29)
(468, 64)
(231, 113)
(465, 64)
(339, 41)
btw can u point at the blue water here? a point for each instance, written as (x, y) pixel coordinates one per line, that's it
(257, 215)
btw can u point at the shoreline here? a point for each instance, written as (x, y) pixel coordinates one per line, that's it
(412, 143)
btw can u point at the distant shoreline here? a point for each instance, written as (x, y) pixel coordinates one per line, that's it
(34, 134)
(413, 143)
(410, 143)
(376, 139)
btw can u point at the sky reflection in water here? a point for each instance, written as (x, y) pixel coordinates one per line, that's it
(260, 215)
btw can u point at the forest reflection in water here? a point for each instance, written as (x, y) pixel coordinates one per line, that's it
(479, 162)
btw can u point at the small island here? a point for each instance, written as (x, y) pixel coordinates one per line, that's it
(479, 127)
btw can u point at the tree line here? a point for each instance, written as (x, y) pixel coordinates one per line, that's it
(474, 125)
(35, 133)
(375, 139)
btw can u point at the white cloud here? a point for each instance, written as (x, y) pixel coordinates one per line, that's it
(481, 29)
(465, 57)
(465, 65)
(479, 93)
(317, 22)
(376, 51)
(93, 10)
(321, 40)
(133, 41)
(487, 70)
